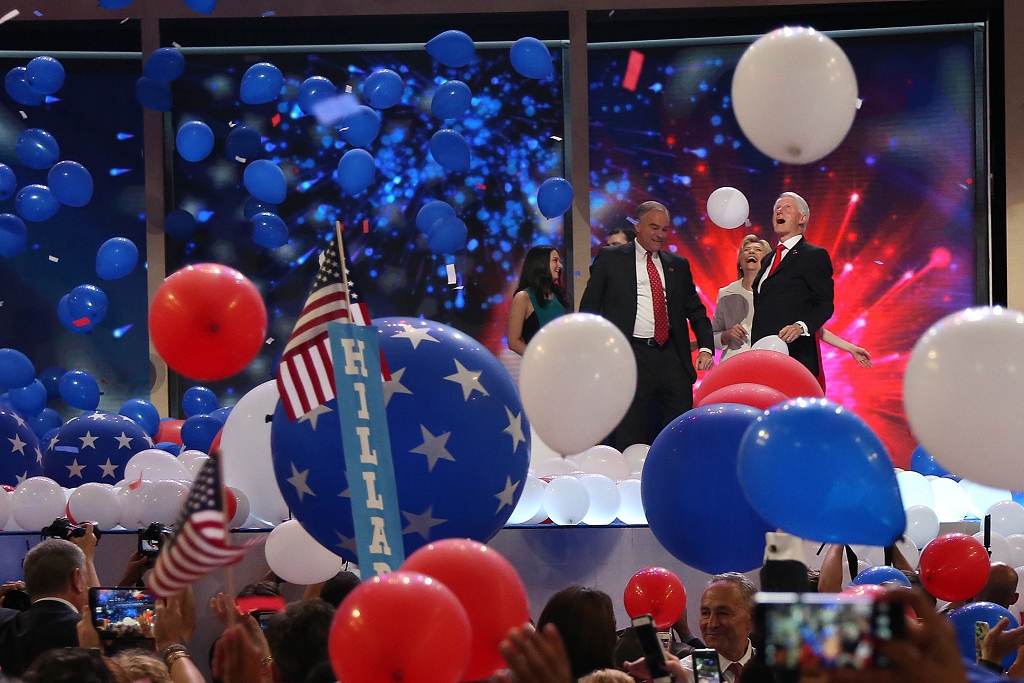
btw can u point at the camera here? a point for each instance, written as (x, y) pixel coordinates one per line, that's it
(151, 539)
(63, 528)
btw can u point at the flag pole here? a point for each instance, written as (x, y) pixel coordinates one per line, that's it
(344, 261)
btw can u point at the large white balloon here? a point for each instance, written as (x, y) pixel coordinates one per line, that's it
(94, 502)
(1016, 544)
(161, 501)
(983, 497)
(915, 490)
(153, 464)
(795, 94)
(772, 342)
(605, 460)
(5, 507)
(131, 506)
(554, 467)
(36, 502)
(604, 499)
(963, 394)
(590, 357)
(636, 456)
(951, 503)
(566, 501)
(540, 451)
(631, 509)
(998, 547)
(529, 502)
(245, 453)
(922, 525)
(193, 460)
(1007, 518)
(728, 208)
(296, 557)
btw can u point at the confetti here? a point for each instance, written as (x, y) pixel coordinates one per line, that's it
(611, 13)
(268, 14)
(452, 279)
(23, 114)
(54, 258)
(231, 124)
(276, 120)
(880, 263)
(633, 69)
(482, 187)
(121, 331)
(80, 322)
(348, 88)
(556, 138)
(859, 102)
(176, 45)
(240, 159)
(366, 226)
(10, 15)
(37, 13)
(270, 340)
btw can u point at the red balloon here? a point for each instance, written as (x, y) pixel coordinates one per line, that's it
(169, 430)
(207, 321)
(866, 590)
(434, 645)
(658, 592)
(954, 567)
(488, 587)
(760, 366)
(230, 503)
(215, 444)
(746, 394)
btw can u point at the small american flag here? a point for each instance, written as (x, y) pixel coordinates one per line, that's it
(200, 543)
(305, 377)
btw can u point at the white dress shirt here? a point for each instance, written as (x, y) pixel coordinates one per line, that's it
(723, 664)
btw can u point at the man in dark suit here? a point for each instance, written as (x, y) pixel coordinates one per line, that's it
(652, 312)
(793, 293)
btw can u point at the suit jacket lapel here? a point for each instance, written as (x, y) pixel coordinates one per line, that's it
(670, 275)
(790, 255)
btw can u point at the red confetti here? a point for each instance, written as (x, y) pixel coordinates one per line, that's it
(81, 322)
(276, 120)
(482, 187)
(366, 225)
(633, 69)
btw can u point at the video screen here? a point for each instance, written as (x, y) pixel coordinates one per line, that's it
(122, 612)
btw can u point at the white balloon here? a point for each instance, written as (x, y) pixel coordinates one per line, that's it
(539, 451)
(153, 464)
(636, 456)
(772, 342)
(728, 208)
(1007, 518)
(161, 501)
(962, 393)
(631, 509)
(604, 499)
(93, 502)
(554, 467)
(566, 501)
(951, 503)
(861, 566)
(297, 557)
(131, 506)
(915, 490)
(1016, 544)
(196, 464)
(5, 507)
(998, 547)
(820, 100)
(922, 525)
(36, 502)
(911, 553)
(983, 497)
(605, 460)
(245, 452)
(242, 510)
(541, 515)
(874, 555)
(589, 354)
(529, 502)
(188, 457)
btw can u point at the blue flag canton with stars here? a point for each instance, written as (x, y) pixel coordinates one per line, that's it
(21, 455)
(460, 443)
(93, 448)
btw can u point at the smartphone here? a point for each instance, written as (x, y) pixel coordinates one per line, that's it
(654, 654)
(981, 629)
(824, 630)
(705, 666)
(122, 613)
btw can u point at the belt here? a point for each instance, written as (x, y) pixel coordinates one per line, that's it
(650, 341)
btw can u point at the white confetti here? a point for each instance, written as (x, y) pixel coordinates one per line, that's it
(23, 114)
(555, 137)
(859, 102)
(176, 45)
(54, 258)
(348, 88)
(452, 279)
(240, 160)
(125, 20)
(10, 15)
(270, 340)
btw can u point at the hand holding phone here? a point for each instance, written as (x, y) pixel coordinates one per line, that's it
(122, 613)
(654, 654)
(705, 666)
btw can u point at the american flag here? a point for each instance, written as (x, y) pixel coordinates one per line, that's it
(305, 377)
(200, 543)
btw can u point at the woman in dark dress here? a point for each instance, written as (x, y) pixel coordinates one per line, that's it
(539, 297)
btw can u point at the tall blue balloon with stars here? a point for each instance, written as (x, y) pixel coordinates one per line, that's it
(93, 447)
(20, 454)
(460, 443)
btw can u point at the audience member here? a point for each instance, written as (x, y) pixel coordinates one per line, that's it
(139, 665)
(1001, 587)
(297, 639)
(535, 655)
(734, 311)
(585, 620)
(607, 676)
(337, 588)
(620, 235)
(628, 646)
(539, 298)
(69, 665)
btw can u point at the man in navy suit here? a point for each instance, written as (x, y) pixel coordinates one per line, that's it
(649, 295)
(794, 292)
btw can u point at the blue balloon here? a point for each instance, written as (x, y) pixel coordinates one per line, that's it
(313, 90)
(199, 401)
(194, 141)
(143, 413)
(447, 235)
(30, 400)
(451, 100)
(922, 462)
(243, 143)
(451, 48)
(356, 170)
(45, 75)
(814, 469)
(48, 420)
(431, 212)
(383, 89)
(8, 182)
(554, 197)
(964, 619)
(265, 181)
(880, 574)
(165, 64)
(21, 459)
(115, 4)
(87, 301)
(116, 258)
(155, 95)
(199, 431)
(361, 126)
(261, 83)
(13, 235)
(16, 370)
(76, 325)
(689, 473)
(70, 182)
(254, 206)
(169, 447)
(19, 87)
(180, 224)
(450, 150)
(36, 203)
(456, 443)
(531, 58)
(269, 230)
(93, 447)
(79, 390)
(222, 413)
(50, 377)
(37, 149)
(202, 6)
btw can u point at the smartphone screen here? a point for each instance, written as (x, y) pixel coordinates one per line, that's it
(122, 612)
(981, 629)
(705, 667)
(654, 655)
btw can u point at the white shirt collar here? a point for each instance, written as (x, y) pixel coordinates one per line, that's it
(724, 662)
(54, 599)
(641, 253)
(791, 242)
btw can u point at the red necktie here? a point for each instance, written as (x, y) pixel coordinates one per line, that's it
(658, 302)
(777, 260)
(736, 669)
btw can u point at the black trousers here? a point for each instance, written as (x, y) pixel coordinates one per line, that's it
(663, 393)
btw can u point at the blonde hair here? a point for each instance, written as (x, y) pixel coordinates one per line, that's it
(139, 665)
(607, 676)
(750, 239)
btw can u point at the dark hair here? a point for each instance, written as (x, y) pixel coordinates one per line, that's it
(69, 665)
(537, 276)
(585, 619)
(337, 588)
(628, 233)
(298, 638)
(48, 567)
(260, 588)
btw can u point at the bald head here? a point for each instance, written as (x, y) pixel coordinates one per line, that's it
(1001, 588)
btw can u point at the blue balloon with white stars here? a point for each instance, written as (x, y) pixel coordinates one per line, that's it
(93, 447)
(20, 454)
(460, 443)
